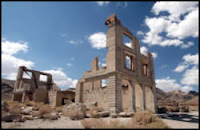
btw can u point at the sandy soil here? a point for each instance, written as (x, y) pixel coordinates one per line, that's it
(187, 120)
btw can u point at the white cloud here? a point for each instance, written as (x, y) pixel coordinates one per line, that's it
(189, 44)
(187, 27)
(69, 64)
(61, 79)
(144, 51)
(172, 27)
(75, 42)
(154, 54)
(174, 8)
(167, 84)
(128, 44)
(191, 76)
(11, 48)
(186, 89)
(188, 60)
(191, 59)
(180, 67)
(101, 3)
(10, 63)
(98, 40)
(140, 33)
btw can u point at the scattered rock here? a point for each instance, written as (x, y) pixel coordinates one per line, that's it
(12, 118)
(104, 113)
(122, 114)
(27, 111)
(27, 117)
(113, 115)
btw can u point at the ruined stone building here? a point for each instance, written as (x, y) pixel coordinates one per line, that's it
(129, 75)
(32, 85)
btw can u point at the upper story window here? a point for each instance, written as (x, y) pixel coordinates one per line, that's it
(127, 41)
(129, 62)
(43, 78)
(145, 70)
(27, 75)
(104, 82)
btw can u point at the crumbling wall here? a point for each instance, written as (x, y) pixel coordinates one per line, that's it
(94, 92)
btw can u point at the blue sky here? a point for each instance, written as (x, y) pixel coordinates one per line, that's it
(62, 38)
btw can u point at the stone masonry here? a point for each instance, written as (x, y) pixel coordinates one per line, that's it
(130, 75)
(34, 88)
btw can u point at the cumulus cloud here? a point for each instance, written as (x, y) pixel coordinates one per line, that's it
(186, 89)
(172, 27)
(175, 9)
(61, 79)
(144, 51)
(101, 3)
(191, 76)
(10, 63)
(188, 60)
(167, 84)
(11, 48)
(98, 40)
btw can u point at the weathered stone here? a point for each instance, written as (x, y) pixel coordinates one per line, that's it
(34, 89)
(12, 117)
(27, 111)
(130, 75)
(122, 114)
(27, 117)
(104, 113)
(113, 115)
(75, 111)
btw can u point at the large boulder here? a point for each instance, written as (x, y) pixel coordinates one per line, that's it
(75, 111)
(12, 118)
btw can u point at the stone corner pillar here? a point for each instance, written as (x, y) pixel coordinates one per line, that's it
(79, 92)
(115, 93)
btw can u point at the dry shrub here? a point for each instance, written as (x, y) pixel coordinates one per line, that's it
(158, 124)
(146, 119)
(45, 109)
(143, 119)
(15, 108)
(35, 105)
(94, 110)
(58, 109)
(74, 114)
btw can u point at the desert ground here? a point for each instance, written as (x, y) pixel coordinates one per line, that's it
(185, 120)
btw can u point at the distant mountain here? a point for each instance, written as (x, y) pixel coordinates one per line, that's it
(192, 102)
(7, 88)
(173, 98)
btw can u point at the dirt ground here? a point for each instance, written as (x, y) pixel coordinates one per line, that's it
(186, 120)
(183, 120)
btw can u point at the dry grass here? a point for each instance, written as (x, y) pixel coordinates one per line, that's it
(140, 120)
(14, 107)
(45, 109)
(74, 114)
(36, 105)
(58, 109)
(93, 111)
